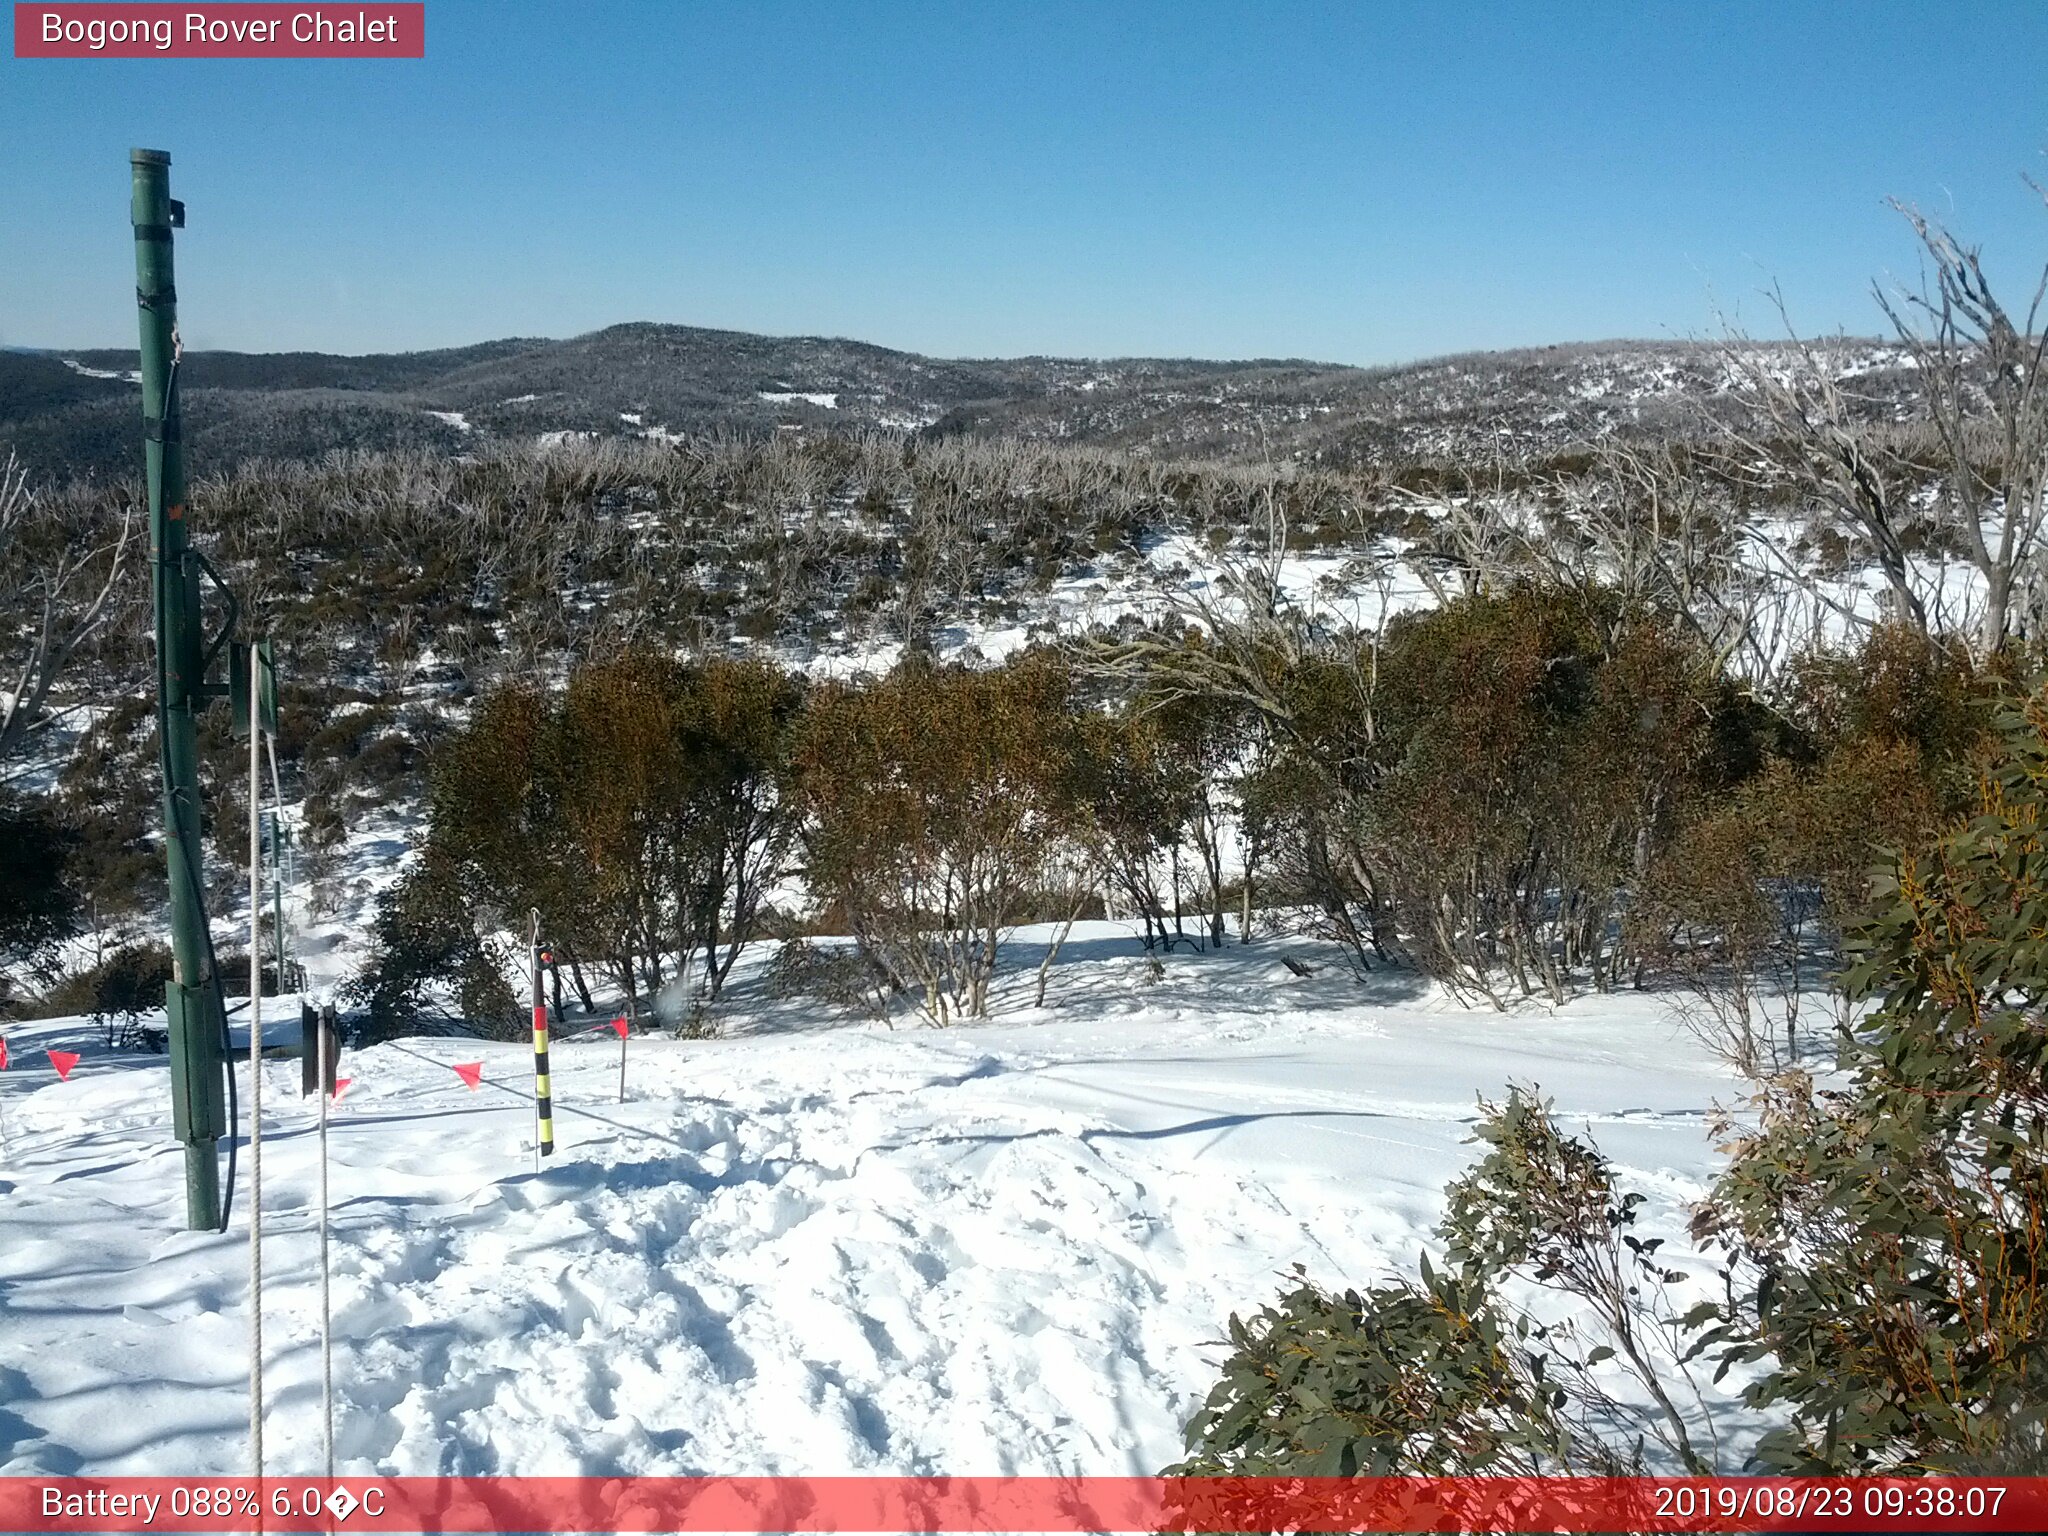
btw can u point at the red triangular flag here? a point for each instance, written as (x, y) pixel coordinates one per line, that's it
(3, 1053)
(63, 1061)
(340, 1085)
(619, 1027)
(471, 1072)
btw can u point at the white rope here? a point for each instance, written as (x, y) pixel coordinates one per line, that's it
(326, 1306)
(286, 869)
(255, 1079)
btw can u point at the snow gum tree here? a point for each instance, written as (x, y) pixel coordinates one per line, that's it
(940, 802)
(643, 811)
(59, 587)
(1746, 907)
(1162, 776)
(667, 781)
(1970, 477)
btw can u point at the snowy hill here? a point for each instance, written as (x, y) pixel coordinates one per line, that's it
(986, 1250)
(72, 412)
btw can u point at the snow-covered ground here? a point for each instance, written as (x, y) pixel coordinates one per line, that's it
(810, 1247)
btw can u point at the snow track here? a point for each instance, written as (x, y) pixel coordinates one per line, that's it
(993, 1249)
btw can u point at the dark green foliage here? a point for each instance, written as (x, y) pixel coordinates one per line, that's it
(1406, 1379)
(1440, 1375)
(130, 983)
(426, 945)
(126, 985)
(39, 908)
(1501, 788)
(1537, 1196)
(1897, 686)
(1747, 904)
(1542, 1206)
(112, 802)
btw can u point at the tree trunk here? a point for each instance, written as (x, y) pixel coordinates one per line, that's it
(582, 987)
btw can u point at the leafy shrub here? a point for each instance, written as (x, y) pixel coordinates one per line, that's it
(642, 811)
(937, 801)
(1747, 905)
(1527, 755)
(116, 992)
(837, 976)
(38, 907)
(427, 952)
(1893, 1233)
(1404, 1379)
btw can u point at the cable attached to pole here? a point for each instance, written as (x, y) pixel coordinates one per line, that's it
(280, 869)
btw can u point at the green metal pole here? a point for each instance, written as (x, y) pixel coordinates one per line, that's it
(193, 1004)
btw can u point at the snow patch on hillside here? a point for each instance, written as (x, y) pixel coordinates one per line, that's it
(130, 375)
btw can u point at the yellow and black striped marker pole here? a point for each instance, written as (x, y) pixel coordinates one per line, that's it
(543, 1097)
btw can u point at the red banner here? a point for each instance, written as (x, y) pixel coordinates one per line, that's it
(235, 31)
(1020, 1504)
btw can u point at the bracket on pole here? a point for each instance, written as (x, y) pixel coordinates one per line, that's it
(318, 1028)
(253, 666)
(199, 1111)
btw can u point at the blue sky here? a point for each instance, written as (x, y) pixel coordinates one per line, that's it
(1363, 182)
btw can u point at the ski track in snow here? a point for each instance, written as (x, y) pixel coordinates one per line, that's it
(1006, 1248)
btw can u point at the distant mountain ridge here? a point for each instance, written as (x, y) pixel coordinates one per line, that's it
(72, 413)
